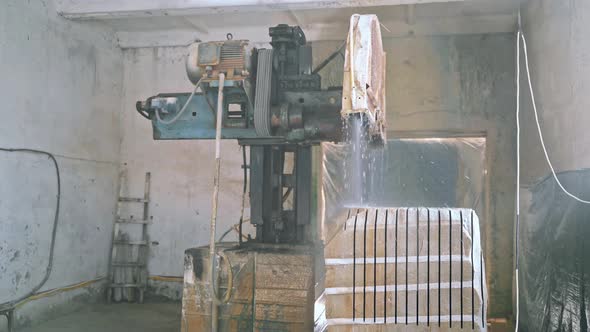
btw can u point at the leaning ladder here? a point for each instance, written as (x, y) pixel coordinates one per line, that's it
(128, 268)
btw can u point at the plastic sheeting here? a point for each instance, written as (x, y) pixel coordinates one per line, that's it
(446, 172)
(554, 256)
(419, 254)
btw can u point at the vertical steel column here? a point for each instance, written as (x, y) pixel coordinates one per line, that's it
(303, 186)
(257, 188)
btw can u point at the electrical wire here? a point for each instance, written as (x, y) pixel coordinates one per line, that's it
(329, 59)
(244, 191)
(517, 203)
(184, 108)
(236, 228)
(12, 304)
(539, 126)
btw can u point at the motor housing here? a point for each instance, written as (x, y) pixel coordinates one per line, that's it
(206, 60)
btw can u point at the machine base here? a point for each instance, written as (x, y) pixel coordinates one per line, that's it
(273, 289)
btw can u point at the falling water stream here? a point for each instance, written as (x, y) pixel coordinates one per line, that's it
(360, 160)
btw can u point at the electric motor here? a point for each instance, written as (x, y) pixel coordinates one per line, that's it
(207, 60)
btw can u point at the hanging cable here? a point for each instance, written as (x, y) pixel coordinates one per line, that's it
(331, 57)
(184, 108)
(11, 304)
(517, 203)
(244, 191)
(539, 126)
(238, 227)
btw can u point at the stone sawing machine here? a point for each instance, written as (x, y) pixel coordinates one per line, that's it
(270, 100)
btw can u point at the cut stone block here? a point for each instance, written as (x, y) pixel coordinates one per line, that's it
(421, 265)
(418, 303)
(273, 289)
(341, 275)
(412, 236)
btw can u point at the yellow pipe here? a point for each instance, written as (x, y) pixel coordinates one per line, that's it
(83, 284)
(166, 278)
(55, 291)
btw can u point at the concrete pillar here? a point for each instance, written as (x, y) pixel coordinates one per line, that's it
(554, 227)
(559, 57)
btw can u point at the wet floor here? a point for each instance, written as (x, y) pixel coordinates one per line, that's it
(147, 317)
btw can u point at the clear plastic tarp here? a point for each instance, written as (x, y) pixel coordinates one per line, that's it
(428, 180)
(437, 172)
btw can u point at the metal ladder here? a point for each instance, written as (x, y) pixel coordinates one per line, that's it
(128, 268)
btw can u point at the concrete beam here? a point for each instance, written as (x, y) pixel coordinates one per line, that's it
(106, 9)
(324, 31)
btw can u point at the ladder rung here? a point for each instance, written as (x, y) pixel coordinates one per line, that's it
(128, 264)
(126, 286)
(131, 243)
(133, 221)
(133, 200)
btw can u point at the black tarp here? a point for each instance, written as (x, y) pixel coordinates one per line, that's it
(555, 256)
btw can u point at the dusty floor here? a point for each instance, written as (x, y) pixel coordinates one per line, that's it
(147, 317)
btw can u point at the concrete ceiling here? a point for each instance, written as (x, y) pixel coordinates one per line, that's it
(149, 23)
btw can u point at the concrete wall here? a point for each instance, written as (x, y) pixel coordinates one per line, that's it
(437, 86)
(61, 92)
(559, 57)
(554, 227)
(465, 85)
